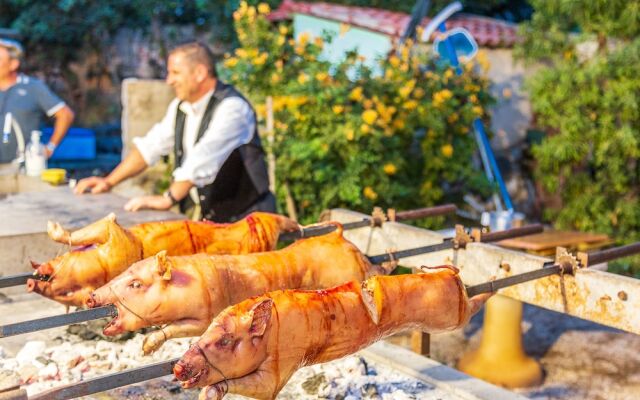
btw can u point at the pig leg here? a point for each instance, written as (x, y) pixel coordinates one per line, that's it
(96, 233)
(178, 329)
(259, 385)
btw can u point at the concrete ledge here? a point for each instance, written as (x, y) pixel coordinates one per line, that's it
(444, 378)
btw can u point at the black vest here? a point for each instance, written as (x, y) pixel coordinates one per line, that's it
(241, 181)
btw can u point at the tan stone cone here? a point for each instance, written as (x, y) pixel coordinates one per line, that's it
(501, 359)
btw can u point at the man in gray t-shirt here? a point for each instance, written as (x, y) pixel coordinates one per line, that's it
(27, 100)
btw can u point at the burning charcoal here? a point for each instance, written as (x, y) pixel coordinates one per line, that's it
(312, 384)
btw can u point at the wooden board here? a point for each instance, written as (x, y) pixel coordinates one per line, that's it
(552, 239)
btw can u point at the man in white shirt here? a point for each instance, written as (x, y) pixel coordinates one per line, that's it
(212, 132)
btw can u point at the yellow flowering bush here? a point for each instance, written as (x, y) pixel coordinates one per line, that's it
(348, 137)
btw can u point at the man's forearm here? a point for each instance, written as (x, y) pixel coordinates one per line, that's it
(132, 165)
(63, 119)
(180, 189)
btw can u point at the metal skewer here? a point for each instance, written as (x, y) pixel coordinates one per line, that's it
(58, 320)
(87, 315)
(20, 279)
(106, 382)
(375, 220)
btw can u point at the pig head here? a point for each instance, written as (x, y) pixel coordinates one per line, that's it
(234, 346)
(105, 249)
(155, 291)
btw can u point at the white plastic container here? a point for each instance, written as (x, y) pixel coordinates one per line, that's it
(35, 156)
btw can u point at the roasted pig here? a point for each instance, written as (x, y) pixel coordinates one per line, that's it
(254, 347)
(187, 292)
(106, 249)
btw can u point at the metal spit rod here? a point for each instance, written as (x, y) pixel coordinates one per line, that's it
(58, 320)
(105, 311)
(451, 243)
(106, 382)
(21, 279)
(369, 221)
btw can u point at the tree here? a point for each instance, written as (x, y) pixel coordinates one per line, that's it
(587, 99)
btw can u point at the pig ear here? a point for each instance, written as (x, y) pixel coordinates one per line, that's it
(163, 265)
(261, 317)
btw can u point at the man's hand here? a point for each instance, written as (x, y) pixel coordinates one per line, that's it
(148, 202)
(93, 185)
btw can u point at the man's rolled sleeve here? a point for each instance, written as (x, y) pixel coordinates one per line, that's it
(232, 125)
(159, 140)
(47, 100)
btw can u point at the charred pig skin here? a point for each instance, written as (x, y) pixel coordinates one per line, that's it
(105, 249)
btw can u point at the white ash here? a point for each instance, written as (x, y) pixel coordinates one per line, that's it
(41, 368)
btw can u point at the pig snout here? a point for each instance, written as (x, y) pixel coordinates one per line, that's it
(36, 286)
(191, 367)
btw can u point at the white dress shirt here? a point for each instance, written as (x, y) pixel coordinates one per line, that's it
(232, 125)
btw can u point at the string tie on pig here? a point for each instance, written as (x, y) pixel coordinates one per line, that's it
(126, 307)
(204, 355)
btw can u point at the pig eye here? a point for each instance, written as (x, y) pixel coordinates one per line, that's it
(135, 285)
(225, 341)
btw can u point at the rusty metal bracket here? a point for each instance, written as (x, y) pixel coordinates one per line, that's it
(567, 262)
(378, 217)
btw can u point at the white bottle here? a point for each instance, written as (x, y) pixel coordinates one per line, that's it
(35, 156)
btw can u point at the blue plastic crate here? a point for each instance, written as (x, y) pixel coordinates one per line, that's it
(78, 144)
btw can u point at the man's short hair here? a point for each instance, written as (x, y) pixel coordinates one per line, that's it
(13, 47)
(198, 53)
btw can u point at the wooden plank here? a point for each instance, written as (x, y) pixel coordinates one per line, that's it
(553, 239)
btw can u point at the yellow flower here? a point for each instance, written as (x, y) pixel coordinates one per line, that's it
(477, 110)
(410, 105)
(275, 77)
(388, 74)
(279, 64)
(367, 104)
(369, 193)
(303, 78)
(364, 128)
(399, 124)
(349, 134)
(251, 12)
(230, 62)
(337, 109)
(418, 93)
(303, 39)
(356, 94)
(322, 76)
(318, 41)
(452, 118)
(388, 132)
(473, 98)
(237, 15)
(483, 60)
(447, 150)
(394, 61)
(283, 30)
(261, 59)
(370, 116)
(390, 169)
(281, 39)
(261, 110)
(299, 50)
(263, 8)
(448, 73)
